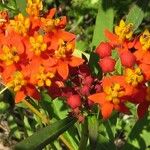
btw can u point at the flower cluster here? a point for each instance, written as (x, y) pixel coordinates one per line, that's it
(133, 84)
(76, 90)
(35, 50)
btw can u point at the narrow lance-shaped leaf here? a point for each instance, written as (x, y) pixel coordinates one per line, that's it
(104, 20)
(93, 130)
(21, 4)
(45, 135)
(104, 143)
(136, 14)
(136, 133)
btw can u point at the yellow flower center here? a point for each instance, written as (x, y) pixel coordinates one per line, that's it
(64, 49)
(124, 31)
(44, 78)
(134, 77)
(34, 7)
(49, 24)
(20, 24)
(9, 55)
(37, 44)
(17, 82)
(114, 92)
(145, 40)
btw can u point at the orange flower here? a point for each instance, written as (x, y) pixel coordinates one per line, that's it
(62, 48)
(19, 24)
(11, 52)
(143, 46)
(123, 33)
(115, 93)
(42, 77)
(50, 24)
(18, 82)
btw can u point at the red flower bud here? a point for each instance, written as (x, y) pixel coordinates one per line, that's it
(107, 64)
(88, 80)
(74, 101)
(85, 90)
(127, 59)
(104, 49)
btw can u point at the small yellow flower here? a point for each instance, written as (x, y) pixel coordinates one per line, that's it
(20, 24)
(50, 24)
(37, 44)
(17, 82)
(34, 7)
(134, 77)
(114, 93)
(9, 55)
(124, 31)
(145, 40)
(44, 78)
(64, 49)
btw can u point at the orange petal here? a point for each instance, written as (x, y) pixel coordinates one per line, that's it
(8, 72)
(108, 81)
(51, 13)
(98, 98)
(146, 70)
(75, 61)
(106, 110)
(146, 58)
(32, 92)
(139, 54)
(20, 95)
(63, 69)
(63, 22)
(112, 37)
(66, 36)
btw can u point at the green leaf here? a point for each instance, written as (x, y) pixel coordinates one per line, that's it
(21, 5)
(136, 14)
(104, 20)
(79, 53)
(45, 135)
(93, 130)
(94, 66)
(84, 135)
(27, 126)
(138, 139)
(71, 139)
(14, 129)
(118, 67)
(59, 108)
(104, 143)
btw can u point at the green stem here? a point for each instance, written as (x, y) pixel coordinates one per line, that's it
(84, 136)
(4, 89)
(35, 111)
(76, 24)
(46, 121)
(67, 144)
